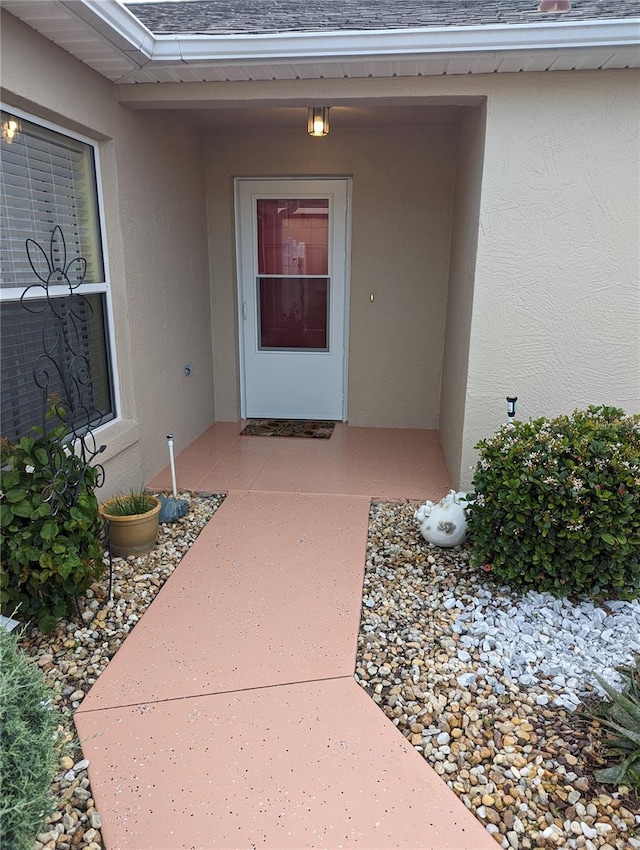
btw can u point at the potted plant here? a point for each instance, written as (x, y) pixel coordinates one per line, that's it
(133, 520)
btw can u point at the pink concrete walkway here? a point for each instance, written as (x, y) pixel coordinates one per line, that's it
(230, 717)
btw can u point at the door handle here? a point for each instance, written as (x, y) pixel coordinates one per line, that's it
(244, 310)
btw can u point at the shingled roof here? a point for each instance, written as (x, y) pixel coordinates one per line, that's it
(226, 17)
(259, 40)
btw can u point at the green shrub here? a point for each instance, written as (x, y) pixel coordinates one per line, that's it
(28, 752)
(620, 715)
(47, 559)
(557, 505)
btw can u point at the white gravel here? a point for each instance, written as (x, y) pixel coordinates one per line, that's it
(538, 638)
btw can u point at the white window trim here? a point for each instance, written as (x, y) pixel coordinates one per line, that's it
(104, 287)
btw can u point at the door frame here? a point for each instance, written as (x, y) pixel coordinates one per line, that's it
(238, 182)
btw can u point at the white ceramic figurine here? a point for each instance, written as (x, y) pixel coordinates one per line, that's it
(444, 524)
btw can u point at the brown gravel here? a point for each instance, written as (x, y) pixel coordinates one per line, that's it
(524, 769)
(77, 652)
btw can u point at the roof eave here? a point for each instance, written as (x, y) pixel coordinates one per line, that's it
(137, 55)
(115, 23)
(410, 42)
(120, 26)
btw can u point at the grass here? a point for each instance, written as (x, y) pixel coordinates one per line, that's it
(130, 504)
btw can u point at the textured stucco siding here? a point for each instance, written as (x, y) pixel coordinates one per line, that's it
(460, 290)
(155, 219)
(403, 183)
(556, 310)
(163, 215)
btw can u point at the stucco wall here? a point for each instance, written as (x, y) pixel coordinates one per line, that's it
(556, 309)
(401, 222)
(461, 282)
(154, 208)
(163, 215)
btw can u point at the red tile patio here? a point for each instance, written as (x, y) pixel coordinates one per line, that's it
(230, 717)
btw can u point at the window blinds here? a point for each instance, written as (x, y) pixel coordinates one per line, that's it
(21, 344)
(47, 179)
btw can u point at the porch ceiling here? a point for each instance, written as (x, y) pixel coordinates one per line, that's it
(109, 38)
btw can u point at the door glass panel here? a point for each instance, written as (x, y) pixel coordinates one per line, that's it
(293, 313)
(293, 236)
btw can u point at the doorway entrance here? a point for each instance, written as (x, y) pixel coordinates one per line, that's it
(292, 253)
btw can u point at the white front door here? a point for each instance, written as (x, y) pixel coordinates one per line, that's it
(292, 286)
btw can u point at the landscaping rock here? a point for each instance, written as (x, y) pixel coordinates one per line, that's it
(172, 509)
(442, 653)
(74, 656)
(494, 678)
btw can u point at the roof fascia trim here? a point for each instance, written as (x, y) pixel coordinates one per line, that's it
(120, 26)
(117, 24)
(452, 40)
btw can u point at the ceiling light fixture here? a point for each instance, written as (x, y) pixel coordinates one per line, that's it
(318, 121)
(10, 128)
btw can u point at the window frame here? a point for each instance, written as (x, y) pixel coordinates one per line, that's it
(103, 287)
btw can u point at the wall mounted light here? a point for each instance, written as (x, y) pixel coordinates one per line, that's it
(10, 128)
(318, 121)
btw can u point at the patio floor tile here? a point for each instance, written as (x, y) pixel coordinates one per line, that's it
(305, 765)
(283, 474)
(380, 462)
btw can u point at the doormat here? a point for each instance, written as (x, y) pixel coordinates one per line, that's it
(288, 428)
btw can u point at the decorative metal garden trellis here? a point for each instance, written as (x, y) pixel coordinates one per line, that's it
(63, 371)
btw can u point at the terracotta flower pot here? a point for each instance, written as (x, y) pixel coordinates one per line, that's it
(135, 534)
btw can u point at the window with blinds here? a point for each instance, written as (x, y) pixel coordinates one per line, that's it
(48, 180)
